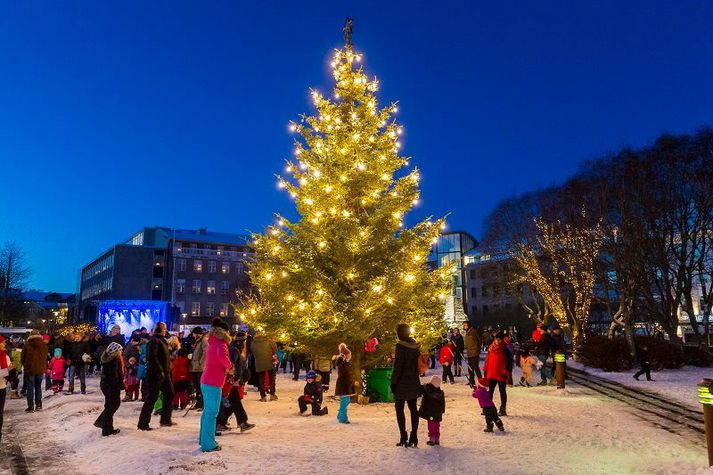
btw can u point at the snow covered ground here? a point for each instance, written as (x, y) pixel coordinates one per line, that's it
(679, 385)
(548, 431)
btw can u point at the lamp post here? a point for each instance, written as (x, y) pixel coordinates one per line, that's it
(706, 398)
(560, 369)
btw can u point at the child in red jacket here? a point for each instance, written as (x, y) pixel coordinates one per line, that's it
(56, 370)
(181, 376)
(446, 357)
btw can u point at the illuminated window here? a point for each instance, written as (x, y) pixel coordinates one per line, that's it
(210, 309)
(225, 268)
(181, 265)
(195, 309)
(223, 309)
(196, 286)
(211, 267)
(180, 286)
(197, 265)
(210, 289)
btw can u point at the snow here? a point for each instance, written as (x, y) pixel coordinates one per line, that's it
(679, 385)
(548, 431)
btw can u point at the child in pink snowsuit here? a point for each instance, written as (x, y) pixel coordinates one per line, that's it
(56, 369)
(485, 400)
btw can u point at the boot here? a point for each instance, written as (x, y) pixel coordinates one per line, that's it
(488, 429)
(324, 411)
(273, 397)
(413, 440)
(402, 442)
(244, 427)
(71, 388)
(502, 411)
(14, 394)
(500, 425)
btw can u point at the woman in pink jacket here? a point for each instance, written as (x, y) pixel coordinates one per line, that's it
(217, 363)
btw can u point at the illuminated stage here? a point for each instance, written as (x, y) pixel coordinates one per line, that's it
(131, 314)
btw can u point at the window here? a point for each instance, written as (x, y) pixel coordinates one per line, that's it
(196, 286)
(472, 273)
(239, 268)
(224, 287)
(210, 309)
(195, 309)
(211, 267)
(225, 268)
(210, 289)
(473, 293)
(181, 264)
(223, 309)
(180, 286)
(197, 265)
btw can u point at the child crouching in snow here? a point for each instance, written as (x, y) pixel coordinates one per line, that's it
(56, 369)
(485, 400)
(345, 383)
(527, 361)
(312, 396)
(433, 405)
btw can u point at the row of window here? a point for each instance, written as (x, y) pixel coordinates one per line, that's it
(212, 266)
(98, 288)
(197, 286)
(193, 245)
(209, 309)
(98, 267)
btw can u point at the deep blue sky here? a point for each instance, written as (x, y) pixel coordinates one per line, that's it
(116, 115)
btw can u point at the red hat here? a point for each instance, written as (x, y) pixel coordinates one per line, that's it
(46, 338)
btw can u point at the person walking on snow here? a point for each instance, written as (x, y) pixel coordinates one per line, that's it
(344, 388)
(643, 356)
(485, 400)
(112, 382)
(34, 361)
(472, 344)
(158, 378)
(56, 368)
(495, 369)
(264, 351)
(446, 358)
(217, 363)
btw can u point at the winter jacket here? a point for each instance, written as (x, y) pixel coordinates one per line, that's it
(345, 379)
(240, 373)
(143, 361)
(198, 358)
(5, 372)
(446, 355)
(495, 366)
(217, 360)
(483, 396)
(158, 361)
(405, 382)
(542, 348)
(131, 377)
(179, 370)
(263, 351)
(17, 359)
(459, 344)
(73, 351)
(118, 338)
(433, 404)
(56, 368)
(313, 392)
(557, 343)
(537, 334)
(112, 379)
(322, 364)
(34, 356)
(130, 351)
(472, 343)
(643, 356)
(526, 363)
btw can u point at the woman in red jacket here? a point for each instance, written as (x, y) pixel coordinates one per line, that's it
(495, 369)
(446, 357)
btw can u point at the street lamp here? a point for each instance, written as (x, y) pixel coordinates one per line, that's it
(560, 369)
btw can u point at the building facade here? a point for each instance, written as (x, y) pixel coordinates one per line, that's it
(196, 271)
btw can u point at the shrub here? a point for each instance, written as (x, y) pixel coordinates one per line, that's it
(598, 351)
(697, 356)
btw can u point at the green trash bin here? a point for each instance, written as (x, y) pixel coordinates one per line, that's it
(378, 385)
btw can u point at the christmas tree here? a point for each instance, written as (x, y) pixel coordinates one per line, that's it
(348, 270)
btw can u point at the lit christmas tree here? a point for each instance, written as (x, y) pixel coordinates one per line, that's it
(348, 270)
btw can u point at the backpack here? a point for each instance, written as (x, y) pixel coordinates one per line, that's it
(423, 364)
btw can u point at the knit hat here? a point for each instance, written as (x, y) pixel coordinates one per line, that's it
(113, 348)
(218, 322)
(311, 374)
(57, 352)
(436, 380)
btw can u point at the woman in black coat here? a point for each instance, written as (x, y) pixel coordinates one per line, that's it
(405, 384)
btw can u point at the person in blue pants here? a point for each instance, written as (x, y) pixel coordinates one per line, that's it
(344, 388)
(217, 363)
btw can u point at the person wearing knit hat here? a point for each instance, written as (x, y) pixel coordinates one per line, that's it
(433, 405)
(56, 371)
(112, 382)
(345, 387)
(312, 396)
(5, 367)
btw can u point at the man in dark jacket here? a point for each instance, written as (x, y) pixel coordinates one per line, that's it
(472, 345)
(459, 344)
(112, 382)
(263, 351)
(73, 351)
(406, 384)
(34, 361)
(643, 355)
(158, 378)
(115, 336)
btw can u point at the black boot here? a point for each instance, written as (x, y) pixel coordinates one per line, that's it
(500, 425)
(402, 442)
(502, 411)
(413, 440)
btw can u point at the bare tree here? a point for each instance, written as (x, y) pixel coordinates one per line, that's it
(14, 276)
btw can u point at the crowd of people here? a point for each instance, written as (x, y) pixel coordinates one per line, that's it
(208, 371)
